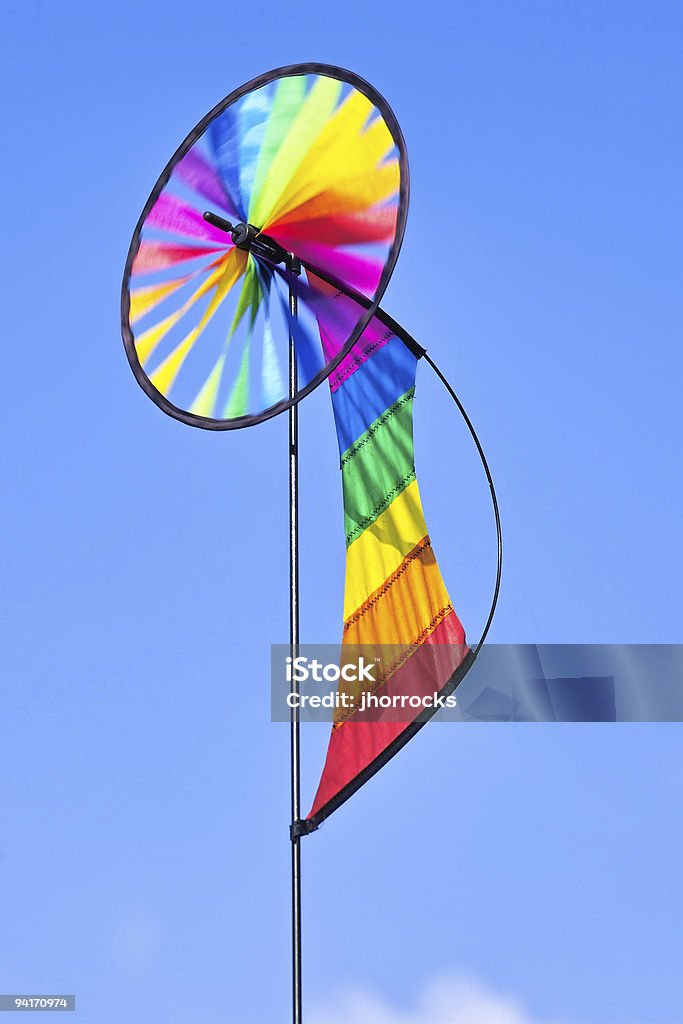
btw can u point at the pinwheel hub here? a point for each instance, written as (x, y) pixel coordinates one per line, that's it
(243, 235)
(251, 239)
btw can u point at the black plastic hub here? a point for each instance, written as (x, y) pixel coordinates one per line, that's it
(248, 237)
(243, 235)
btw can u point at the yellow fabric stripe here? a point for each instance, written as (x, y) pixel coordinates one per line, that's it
(205, 402)
(147, 341)
(307, 125)
(338, 147)
(381, 548)
(144, 299)
(289, 95)
(408, 605)
(231, 270)
(349, 195)
(378, 139)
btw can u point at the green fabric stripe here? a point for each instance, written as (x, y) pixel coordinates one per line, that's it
(310, 119)
(378, 466)
(250, 297)
(238, 401)
(289, 96)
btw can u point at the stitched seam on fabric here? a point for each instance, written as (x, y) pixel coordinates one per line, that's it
(389, 582)
(360, 359)
(382, 507)
(403, 658)
(375, 426)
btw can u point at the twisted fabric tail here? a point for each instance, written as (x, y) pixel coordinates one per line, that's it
(395, 598)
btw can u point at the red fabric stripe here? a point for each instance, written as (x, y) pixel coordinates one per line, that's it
(356, 743)
(340, 229)
(153, 256)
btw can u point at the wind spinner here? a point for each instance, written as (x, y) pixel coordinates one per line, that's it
(254, 274)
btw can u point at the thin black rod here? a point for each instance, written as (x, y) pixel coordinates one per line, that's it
(295, 749)
(494, 500)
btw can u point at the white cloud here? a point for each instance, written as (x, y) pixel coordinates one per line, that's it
(449, 1000)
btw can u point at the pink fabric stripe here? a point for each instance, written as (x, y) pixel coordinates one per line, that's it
(337, 315)
(359, 273)
(172, 214)
(153, 256)
(374, 337)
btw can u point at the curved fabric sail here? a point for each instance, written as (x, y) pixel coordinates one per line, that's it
(395, 598)
(310, 156)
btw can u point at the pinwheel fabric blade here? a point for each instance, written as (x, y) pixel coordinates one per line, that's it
(311, 161)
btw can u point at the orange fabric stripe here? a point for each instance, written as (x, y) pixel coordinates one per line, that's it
(407, 607)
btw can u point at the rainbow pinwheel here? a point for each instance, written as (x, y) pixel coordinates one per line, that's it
(314, 163)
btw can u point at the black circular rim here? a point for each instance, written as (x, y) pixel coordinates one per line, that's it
(331, 71)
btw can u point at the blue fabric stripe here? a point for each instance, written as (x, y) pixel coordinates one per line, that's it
(309, 357)
(368, 392)
(253, 118)
(224, 134)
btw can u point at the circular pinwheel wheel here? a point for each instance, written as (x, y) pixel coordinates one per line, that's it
(295, 185)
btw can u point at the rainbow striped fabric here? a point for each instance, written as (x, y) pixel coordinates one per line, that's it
(316, 162)
(395, 598)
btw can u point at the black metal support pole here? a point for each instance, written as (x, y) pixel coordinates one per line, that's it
(294, 646)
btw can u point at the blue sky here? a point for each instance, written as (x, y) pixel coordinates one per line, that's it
(144, 793)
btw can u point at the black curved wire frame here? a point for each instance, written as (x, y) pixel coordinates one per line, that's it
(311, 824)
(371, 305)
(494, 503)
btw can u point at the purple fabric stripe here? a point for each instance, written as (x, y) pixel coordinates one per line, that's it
(198, 173)
(374, 337)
